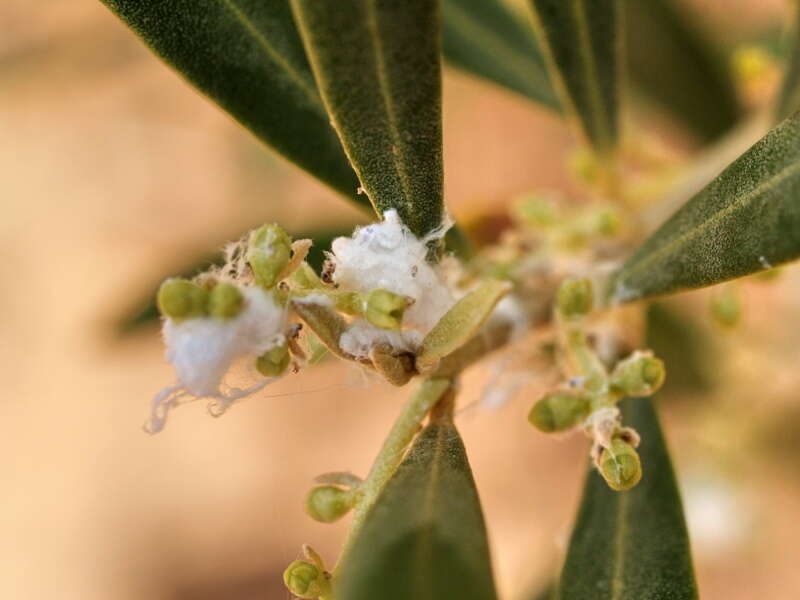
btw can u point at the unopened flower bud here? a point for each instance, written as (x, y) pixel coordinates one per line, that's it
(328, 503)
(305, 580)
(274, 361)
(606, 222)
(725, 306)
(225, 301)
(181, 299)
(559, 411)
(620, 466)
(575, 297)
(268, 252)
(385, 309)
(535, 210)
(641, 374)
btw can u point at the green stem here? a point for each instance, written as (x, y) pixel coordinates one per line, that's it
(430, 391)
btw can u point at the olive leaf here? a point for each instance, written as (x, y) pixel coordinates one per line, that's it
(788, 100)
(460, 323)
(745, 220)
(487, 39)
(425, 537)
(582, 40)
(377, 65)
(674, 66)
(248, 58)
(631, 545)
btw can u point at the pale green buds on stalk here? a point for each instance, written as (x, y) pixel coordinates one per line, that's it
(641, 374)
(274, 362)
(225, 301)
(181, 299)
(305, 580)
(385, 309)
(328, 503)
(559, 411)
(620, 465)
(268, 252)
(575, 298)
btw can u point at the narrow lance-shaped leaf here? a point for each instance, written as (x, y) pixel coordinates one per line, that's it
(674, 66)
(631, 545)
(425, 537)
(788, 100)
(746, 220)
(485, 38)
(460, 323)
(377, 65)
(582, 39)
(247, 57)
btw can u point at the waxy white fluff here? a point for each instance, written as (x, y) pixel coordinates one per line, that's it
(388, 255)
(203, 349)
(361, 337)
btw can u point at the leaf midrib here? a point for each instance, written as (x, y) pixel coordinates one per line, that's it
(425, 545)
(388, 103)
(745, 199)
(620, 535)
(275, 55)
(596, 103)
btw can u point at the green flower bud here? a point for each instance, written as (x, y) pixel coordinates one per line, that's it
(305, 580)
(575, 297)
(535, 210)
(620, 466)
(273, 362)
(385, 309)
(328, 503)
(181, 299)
(725, 307)
(641, 374)
(606, 222)
(269, 250)
(225, 301)
(559, 411)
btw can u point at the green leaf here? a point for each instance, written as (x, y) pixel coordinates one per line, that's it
(788, 100)
(485, 38)
(377, 65)
(248, 58)
(460, 323)
(144, 312)
(425, 537)
(686, 347)
(582, 39)
(631, 545)
(745, 220)
(672, 64)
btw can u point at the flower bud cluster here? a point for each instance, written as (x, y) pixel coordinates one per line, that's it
(590, 401)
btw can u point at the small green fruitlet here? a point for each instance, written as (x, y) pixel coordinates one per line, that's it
(269, 250)
(273, 362)
(328, 503)
(620, 465)
(225, 301)
(305, 580)
(181, 299)
(559, 411)
(575, 297)
(385, 309)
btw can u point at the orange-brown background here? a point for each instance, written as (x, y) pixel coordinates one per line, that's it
(113, 171)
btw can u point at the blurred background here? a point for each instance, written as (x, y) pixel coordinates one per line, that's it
(115, 173)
